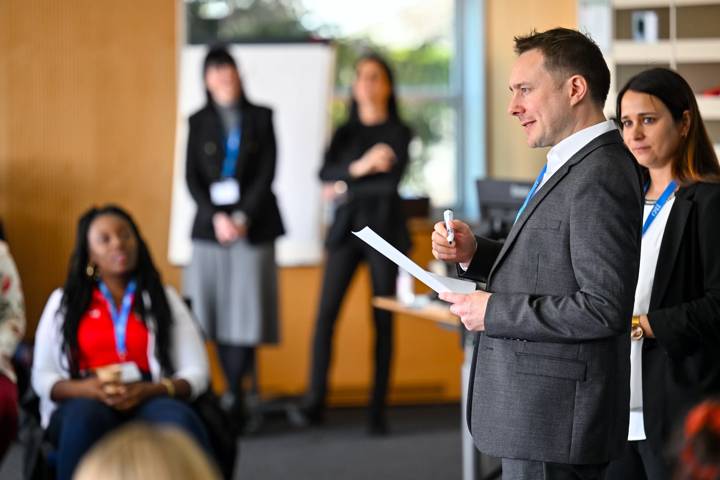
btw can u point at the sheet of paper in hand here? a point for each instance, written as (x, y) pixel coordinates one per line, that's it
(438, 283)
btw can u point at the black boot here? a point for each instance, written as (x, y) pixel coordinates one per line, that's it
(377, 424)
(313, 412)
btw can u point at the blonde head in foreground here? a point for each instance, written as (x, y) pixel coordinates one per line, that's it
(138, 452)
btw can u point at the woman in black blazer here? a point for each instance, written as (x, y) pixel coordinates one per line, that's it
(676, 327)
(232, 278)
(362, 169)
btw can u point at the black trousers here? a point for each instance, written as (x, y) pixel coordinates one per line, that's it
(637, 462)
(340, 266)
(531, 470)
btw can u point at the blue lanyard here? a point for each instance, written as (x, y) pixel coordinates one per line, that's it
(659, 204)
(232, 150)
(120, 319)
(532, 192)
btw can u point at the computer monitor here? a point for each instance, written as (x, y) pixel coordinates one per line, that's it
(499, 202)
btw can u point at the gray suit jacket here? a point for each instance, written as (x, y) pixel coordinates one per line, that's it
(551, 371)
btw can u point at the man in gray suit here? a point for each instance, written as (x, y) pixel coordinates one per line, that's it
(549, 387)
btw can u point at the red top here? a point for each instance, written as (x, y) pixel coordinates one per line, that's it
(96, 337)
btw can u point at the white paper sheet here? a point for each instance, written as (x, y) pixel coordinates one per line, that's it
(437, 282)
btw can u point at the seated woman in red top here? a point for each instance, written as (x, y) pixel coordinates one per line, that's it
(114, 345)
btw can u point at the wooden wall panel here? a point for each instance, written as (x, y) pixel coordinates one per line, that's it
(87, 95)
(508, 154)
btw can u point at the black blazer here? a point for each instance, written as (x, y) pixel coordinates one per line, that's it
(371, 200)
(255, 171)
(682, 364)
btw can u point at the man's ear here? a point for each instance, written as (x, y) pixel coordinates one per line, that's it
(578, 89)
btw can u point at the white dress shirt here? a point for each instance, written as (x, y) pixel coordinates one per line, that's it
(569, 146)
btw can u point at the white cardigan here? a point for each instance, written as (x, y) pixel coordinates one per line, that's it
(50, 365)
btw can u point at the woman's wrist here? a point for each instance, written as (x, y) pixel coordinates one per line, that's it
(359, 167)
(354, 168)
(168, 387)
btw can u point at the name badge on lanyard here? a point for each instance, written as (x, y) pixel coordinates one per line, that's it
(226, 191)
(120, 317)
(658, 205)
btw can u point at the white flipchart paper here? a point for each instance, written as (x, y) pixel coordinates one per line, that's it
(438, 283)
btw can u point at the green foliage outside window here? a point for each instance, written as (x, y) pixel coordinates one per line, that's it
(422, 74)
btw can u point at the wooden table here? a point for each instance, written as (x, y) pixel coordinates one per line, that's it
(435, 311)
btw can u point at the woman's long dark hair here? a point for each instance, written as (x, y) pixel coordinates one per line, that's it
(696, 160)
(354, 116)
(77, 292)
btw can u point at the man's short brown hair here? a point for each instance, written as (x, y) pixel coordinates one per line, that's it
(568, 52)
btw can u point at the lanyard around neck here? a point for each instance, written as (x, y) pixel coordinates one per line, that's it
(232, 151)
(531, 192)
(659, 204)
(120, 318)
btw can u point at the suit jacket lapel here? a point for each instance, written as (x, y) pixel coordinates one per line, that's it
(672, 237)
(605, 138)
(529, 209)
(215, 126)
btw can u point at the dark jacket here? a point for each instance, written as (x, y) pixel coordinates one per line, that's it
(682, 363)
(255, 171)
(371, 200)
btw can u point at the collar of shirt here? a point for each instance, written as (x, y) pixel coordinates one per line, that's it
(565, 149)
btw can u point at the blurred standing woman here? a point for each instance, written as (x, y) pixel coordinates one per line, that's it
(675, 358)
(12, 329)
(232, 277)
(362, 169)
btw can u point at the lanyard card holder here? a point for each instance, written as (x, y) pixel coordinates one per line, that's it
(225, 192)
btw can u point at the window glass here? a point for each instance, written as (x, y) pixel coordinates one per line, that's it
(416, 36)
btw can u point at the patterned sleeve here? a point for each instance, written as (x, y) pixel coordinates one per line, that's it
(12, 306)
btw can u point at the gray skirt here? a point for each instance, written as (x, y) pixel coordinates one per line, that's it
(233, 291)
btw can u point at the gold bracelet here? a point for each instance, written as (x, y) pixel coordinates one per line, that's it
(169, 385)
(636, 331)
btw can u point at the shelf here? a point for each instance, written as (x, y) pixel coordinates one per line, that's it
(700, 50)
(640, 4)
(709, 107)
(692, 3)
(689, 42)
(635, 4)
(684, 51)
(629, 51)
